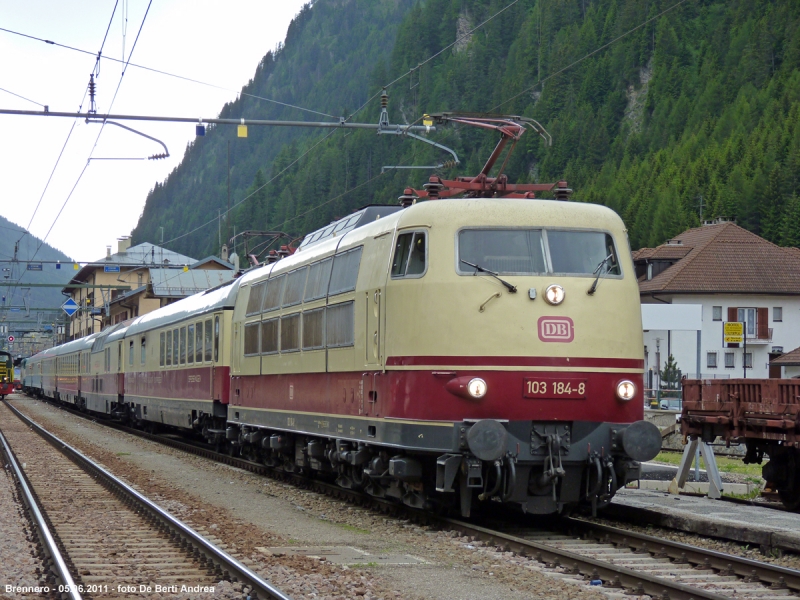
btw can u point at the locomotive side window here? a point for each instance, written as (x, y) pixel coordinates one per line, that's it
(251, 342)
(340, 325)
(130, 353)
(143, 355)
(209, 335)
(169, 348)
(509, 251)
(345, 271)
(190, 343)
(582, 252)
(255, 299)
(410, 255)
(269, 336)
(290, 333)
(314, 329)
(198, 342)
(274, 293)
(162, 349)
(319, 275)
(295, 284)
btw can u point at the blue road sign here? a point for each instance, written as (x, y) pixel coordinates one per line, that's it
(34, 266)
(69, 307)
(108, 269)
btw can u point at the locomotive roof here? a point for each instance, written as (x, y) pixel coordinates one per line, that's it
(199, 304)
(338, 228)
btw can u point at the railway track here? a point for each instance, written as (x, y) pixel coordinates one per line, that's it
(102, 538)
(622, 560)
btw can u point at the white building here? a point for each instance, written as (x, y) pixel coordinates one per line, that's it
(735, 276)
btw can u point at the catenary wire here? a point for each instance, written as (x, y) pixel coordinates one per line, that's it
(168, 74)
(23, 97)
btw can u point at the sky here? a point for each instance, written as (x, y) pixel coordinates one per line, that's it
(220, 43)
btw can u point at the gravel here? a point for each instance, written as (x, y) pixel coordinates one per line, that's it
(251, 513)
(18, 562)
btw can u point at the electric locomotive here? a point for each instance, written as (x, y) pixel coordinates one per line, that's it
(6, 374)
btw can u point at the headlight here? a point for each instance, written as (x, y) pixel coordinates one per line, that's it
(626, 390)
(554, 294)
(477, 387)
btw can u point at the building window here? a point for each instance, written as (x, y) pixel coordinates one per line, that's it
(777, 314)
(748, 360)
(730, 360)
(711, 360)
(716, 313)
(748, 317)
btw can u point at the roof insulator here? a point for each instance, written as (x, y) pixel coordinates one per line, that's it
(434, 187)
(408, 198)
(562, 192)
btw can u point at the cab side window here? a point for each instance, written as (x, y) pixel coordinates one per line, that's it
(410, 255)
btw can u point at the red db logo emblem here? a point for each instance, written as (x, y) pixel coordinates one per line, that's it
(556, 329)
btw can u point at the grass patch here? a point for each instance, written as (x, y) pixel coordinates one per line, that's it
(347, 527)
(725, 465)
(754, 493)
(123, 453)
(363, 565)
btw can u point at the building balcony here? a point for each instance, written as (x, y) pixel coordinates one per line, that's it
(755, 340)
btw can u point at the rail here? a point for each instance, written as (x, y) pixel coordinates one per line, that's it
(233, 567)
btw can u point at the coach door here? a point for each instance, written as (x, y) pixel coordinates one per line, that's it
(375, 263)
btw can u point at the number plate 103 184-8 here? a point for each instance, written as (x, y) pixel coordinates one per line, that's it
(554, 388)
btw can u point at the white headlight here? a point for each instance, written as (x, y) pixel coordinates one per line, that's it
(626, 390)
(554, 294)
(477, 387)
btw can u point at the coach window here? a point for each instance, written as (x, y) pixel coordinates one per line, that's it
(290, 333)
(162, 349)
(216, 338)
(345, 271)
(410, 255)
(269, 336)
(340, 325)
(255, 299)
(314, 329)
(251, 342)
(130, 353)
(274, 293)
(175, 337)
(295, 285)
(190, 344)
(319, 274)
(143, 356)
(208, 338)
(183, 345)
(198, 342)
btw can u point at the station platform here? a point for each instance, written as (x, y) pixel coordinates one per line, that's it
(769, 528)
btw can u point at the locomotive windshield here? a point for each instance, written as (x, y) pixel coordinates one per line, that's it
(537, 251)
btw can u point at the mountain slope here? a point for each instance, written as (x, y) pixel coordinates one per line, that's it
(670, 115)
(17, 296)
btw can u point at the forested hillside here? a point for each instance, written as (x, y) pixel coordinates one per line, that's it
(693, 115)
(17, 296)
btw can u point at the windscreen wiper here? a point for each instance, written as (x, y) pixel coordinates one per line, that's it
(511, 288)
(599, 270)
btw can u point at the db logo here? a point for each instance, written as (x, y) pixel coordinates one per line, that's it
(556, 329)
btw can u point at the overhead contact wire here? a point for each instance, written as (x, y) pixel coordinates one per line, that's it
(168, 74)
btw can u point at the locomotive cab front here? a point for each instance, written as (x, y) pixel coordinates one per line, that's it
(517, 323)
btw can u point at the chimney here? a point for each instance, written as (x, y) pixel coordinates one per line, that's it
(223, 254)
(108, 251)
(123, 243)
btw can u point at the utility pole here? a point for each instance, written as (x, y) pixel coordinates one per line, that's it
(228, 214)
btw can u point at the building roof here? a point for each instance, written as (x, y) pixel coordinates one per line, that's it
(141, 255)
(723, 258)
(171, 283)
(790, 359)
(201, 264)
